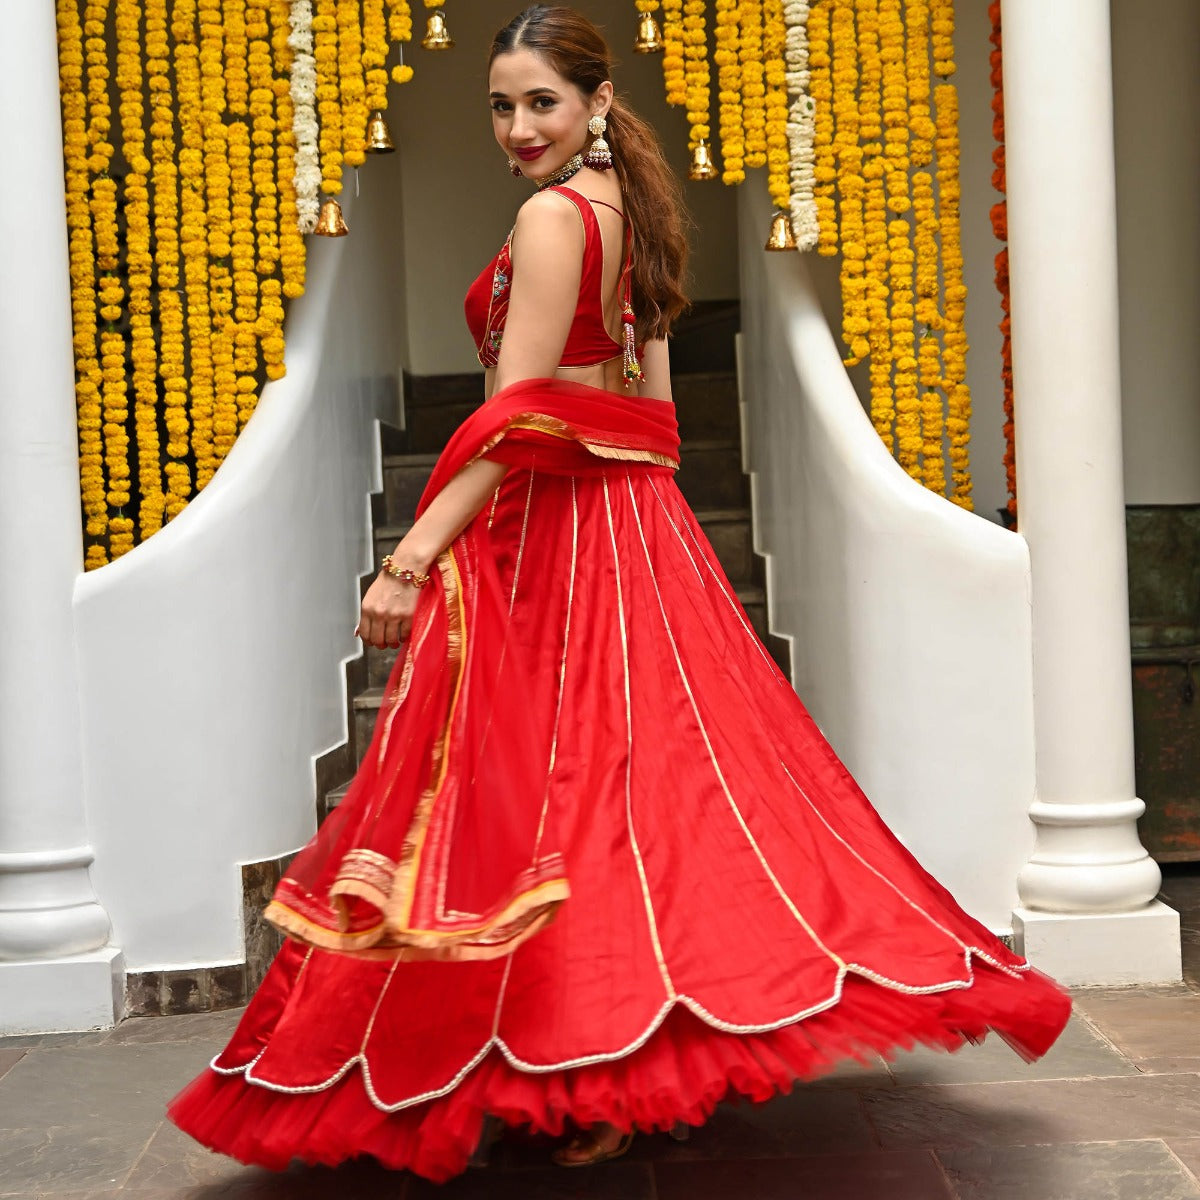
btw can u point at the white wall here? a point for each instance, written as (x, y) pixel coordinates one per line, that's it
(1156, 45)
(909, 616)
(210, 657)
(460, 200)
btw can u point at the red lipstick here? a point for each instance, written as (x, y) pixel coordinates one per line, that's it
(529, 153)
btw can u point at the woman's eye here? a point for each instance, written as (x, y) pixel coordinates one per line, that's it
(500, 106)
(543, 102)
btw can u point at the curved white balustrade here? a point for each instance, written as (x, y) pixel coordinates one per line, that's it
(909, 617)
(210, 657)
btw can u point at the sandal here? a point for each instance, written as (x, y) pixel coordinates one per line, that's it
(585, 1139)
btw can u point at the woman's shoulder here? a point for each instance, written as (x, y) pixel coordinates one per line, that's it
(551, 221)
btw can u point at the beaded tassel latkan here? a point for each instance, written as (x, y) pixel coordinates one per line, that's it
(632, 369)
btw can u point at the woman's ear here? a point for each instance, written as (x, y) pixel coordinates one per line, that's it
(602, 99)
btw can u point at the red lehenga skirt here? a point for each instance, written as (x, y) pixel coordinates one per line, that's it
(599, 863)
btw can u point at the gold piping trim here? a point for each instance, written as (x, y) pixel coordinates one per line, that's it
(637, 853)
(716, 766)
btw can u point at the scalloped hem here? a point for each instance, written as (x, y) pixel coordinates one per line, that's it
(680, 1073)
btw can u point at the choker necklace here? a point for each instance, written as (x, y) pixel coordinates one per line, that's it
(571, 167)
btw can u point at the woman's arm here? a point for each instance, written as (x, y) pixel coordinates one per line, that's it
(547, 256)
(656, 370)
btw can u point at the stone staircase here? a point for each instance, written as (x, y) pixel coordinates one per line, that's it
(710, 477)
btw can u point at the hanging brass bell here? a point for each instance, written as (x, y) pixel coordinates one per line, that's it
(437, 36)
(782, 237)
(330, 222)
(649, 36)
(702, 164)
(379, 136)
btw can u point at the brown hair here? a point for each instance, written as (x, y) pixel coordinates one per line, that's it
(575, 48)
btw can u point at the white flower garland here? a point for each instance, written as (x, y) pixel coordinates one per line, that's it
(303, 89)
(801, 125)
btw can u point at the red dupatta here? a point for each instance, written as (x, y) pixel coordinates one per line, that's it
(444, 846)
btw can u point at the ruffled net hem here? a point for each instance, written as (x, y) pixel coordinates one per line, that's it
(679, 1074)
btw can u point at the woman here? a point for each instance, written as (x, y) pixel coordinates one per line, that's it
(599, 864)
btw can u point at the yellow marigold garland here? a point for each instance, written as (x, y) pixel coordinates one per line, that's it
(925, 245)
(374, 55)
(139, 265)
(754, 88)
(695, 51)
(729, 82)
(774, 40)
(673, 65)
(352, 86)
(75, 94)
(325, 38)
(825, 159)
(875, 220)
(179, 268)
(291, 242)
(848, 157)
(954, 350)
(400, 30)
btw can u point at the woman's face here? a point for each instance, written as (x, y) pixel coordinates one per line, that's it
(539, 118)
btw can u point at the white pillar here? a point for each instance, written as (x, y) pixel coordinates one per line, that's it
(1088, 911)
(56, 969)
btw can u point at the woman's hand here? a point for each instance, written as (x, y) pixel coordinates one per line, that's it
(387, 613)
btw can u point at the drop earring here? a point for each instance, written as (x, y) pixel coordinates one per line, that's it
(599, 156)
(514, 167)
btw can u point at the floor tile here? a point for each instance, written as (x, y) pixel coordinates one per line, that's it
(59, 1158)
(9, 1058)
(1167, 1065)
(1143, 1023)
(608, 1181)
(1187, 1150)
(1078, 1053)
(174, 1160)
(1048, 1111)
(109, 1085)
(206, 1027)
(360, 1180)
(46, 1041)
(911, 1175)
(1142, 1170)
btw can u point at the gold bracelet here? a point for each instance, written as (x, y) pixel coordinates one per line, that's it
(416, 578)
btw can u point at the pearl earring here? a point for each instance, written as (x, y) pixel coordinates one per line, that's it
(599, 156)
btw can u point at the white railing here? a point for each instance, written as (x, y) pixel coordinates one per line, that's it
(211, 656)
(909, 617)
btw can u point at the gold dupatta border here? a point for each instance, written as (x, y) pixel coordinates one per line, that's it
(390, 886)
(557, 427)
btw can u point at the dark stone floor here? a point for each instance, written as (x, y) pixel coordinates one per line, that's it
(1112, 1112)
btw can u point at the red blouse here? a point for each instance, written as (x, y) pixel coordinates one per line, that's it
(588, 340)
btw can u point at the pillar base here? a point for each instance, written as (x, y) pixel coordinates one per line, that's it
(1081, 949)
(63, 995)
